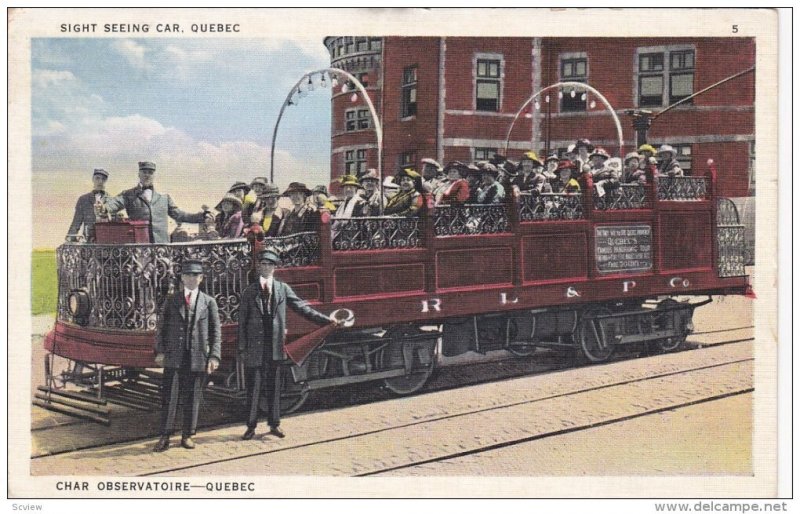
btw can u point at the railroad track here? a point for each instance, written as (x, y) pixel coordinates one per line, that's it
(551, 404)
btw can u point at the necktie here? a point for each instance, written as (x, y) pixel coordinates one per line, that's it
(188, 299)
(266, 293)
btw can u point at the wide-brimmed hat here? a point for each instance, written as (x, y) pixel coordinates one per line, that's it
(648, 148)
(488, 168)
(565, 164)
(552, 157)
(269, 256)
(632, 155)
(531, 156)
(413, 175)
(667, 149)
(146, 165)
(511, 168)
(320, 189)
(229, 197)
(259, 180)
(239, 185)
(599, 152)
(297, 187)
(498, 159)
(191, 267)
(100, 171)
(271, 190)
(370, 174)
(350, 180)
(584, 142)
(389, 183)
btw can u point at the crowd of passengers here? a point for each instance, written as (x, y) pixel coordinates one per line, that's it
(254, 207)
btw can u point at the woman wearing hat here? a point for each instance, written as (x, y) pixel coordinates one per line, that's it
(408, 200)
(374, 201)
(648, 153)
(568, 177)
(456, 190)
(267, 220)
(668, 164)
(303, 217)
(631, 173)
(229, 223)
(491, 191)
(532, 178)
(352, 205)
(598, 158)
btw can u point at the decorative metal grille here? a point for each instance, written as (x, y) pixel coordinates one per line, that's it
(375, 233)
(730, 240)
(301, 249)
(682, 188)
(127, 284)
(623, 196)
(470, 219)
(550, 206)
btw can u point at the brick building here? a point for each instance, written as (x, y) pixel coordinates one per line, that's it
(456, 97)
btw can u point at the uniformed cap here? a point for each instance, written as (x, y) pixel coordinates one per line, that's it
(192, 267)
(269, 256)
(147, 165)
(100, 171)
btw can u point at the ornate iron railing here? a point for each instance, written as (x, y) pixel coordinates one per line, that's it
(375, 233)
(550, 206)
(127, 284)
(621, 196)
(454, 220)
(301, 249)
(682, 188)
(730, 240)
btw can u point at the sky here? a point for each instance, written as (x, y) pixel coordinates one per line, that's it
(203, 110)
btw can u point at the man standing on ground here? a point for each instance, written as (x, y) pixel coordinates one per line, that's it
(188, 345)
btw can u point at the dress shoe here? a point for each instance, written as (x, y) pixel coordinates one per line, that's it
(277, 432)
(251, 432)
(162, 444)
(187, 443)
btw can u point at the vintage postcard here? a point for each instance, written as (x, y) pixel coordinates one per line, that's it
(393, 253)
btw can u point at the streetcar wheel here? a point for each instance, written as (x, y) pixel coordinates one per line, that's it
(670, 344)
(521, 350)
(595, 344)
(422, 365)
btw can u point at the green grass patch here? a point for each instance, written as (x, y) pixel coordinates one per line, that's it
(44, 282)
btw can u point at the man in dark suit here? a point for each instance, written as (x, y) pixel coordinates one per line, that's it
(84, 209)
(144, 203)
(262, 327)
(188, 345)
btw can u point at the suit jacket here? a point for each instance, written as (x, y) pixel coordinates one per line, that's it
(251, 346)
(205, 332)
(84, 215)
(156, 211)
(305, 220)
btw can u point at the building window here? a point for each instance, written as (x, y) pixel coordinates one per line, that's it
(487, 85)
(375, 44)
(665, 77)
(355, 161)
(362, 45)
(684, 157)
(349, 46)
(407, 159)
(357, 119)
(409, 92)
(484, 154)
(573, 70)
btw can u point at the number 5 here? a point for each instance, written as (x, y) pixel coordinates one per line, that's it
(734, 28)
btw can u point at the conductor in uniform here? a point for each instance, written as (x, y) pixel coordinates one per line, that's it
(188, 346)
(144, 203)
(262, 328)
(84, 209)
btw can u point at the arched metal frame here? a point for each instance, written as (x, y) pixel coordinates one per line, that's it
(579, 86)
(337, 74)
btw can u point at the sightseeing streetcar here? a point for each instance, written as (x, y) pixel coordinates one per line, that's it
(571, 271)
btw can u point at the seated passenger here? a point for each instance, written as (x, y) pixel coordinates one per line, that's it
(632, 173)
(268, 219)
(608, 177)
(648, 153)
(373, 200)
(321, 200)
(532, 177)
(352, 205)
(431, 174)
(668, 164)
(303, 217)
(474, 182)
(568, 177)
(252, 201)
(408, 200)
(597, 160)
(456, 190)
(583, 149)
(229, 224)
(491, 191)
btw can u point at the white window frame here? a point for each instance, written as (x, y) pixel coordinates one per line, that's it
(572, 56)
(501, 80)
(666, 72)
